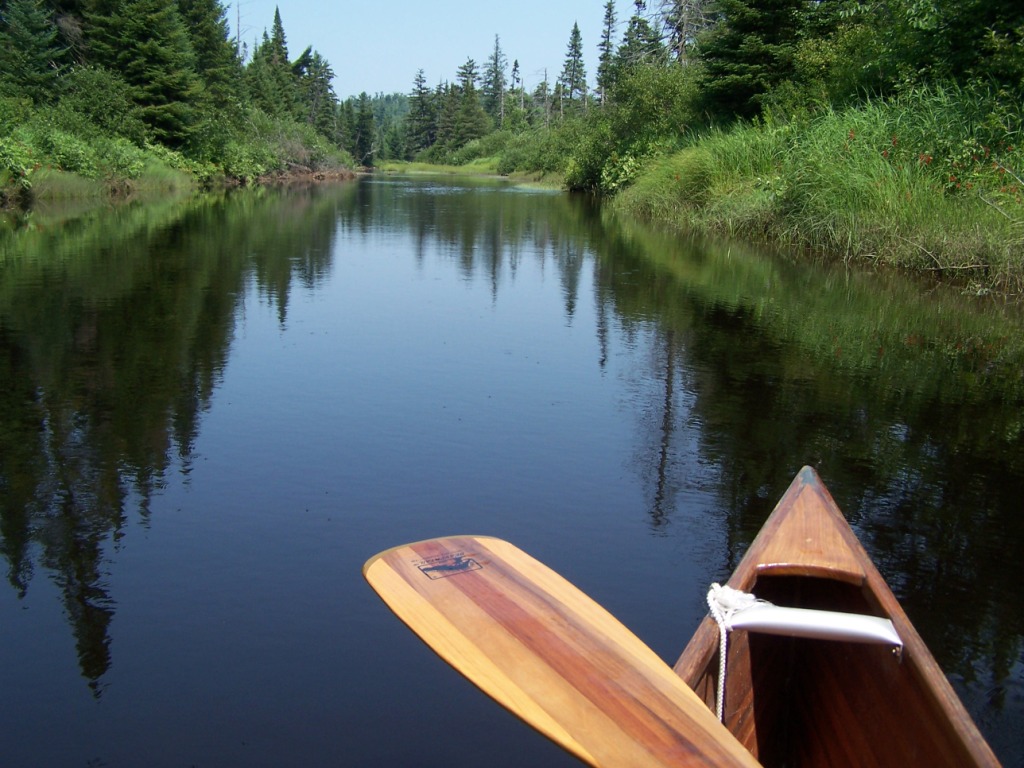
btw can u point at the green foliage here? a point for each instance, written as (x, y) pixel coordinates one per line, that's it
(746, 54)
(681, 181)
(546, 150)
(421, 122)
(641, 45)
(146, 41)
(31, 58)
(216, 60)
(13, 112)
(104, 100)
(494, 81)
(363, 148)
(16, 162)
(491, 145)
(931, 180)
(574, 75)
(652, 107)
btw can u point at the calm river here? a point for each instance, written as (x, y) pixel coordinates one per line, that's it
(213, 411)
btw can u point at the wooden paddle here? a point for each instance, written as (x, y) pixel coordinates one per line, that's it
(549, 654)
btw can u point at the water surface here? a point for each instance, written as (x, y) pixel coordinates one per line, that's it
(214, 411)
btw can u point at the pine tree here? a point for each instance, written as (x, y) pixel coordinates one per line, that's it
(347, 126)
(641, 43)
(271, 80)
(216, 56)
(365, 131)
(421, 122)
(574, 77)
(146, 41)
(31, 60)
(606, 51)
(747, 53)
(471, 122)
(318, 102)
(447, 96)
(516, 118)
(494, 84)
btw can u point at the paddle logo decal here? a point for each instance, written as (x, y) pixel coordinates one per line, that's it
(448, 564)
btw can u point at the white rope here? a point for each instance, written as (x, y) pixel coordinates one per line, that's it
(733, 609)
(724, 602)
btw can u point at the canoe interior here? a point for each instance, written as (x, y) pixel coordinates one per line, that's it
(801, 702)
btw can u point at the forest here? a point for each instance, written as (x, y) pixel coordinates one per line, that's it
(886, 129)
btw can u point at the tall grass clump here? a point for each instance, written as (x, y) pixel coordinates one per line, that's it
(932, 179)
(726, 181)
(672, 188)
(929, 180)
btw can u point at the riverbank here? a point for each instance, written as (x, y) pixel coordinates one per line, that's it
(50, 184)
(488, 166)
(894, 184)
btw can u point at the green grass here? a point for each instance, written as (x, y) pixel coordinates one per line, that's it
(928, 182)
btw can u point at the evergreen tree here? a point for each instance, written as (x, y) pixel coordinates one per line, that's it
(641, 43)
(471, 122)
(318, 102)
(147, 42)
(516, 117)
(421, 122)
(271, 80)
(447, 96)
(606, 53)
(516, 79)
(365, 131)
(394, 142)
(747, 53)
(216, 56)
(347, 126)
(31, 59)
(494, 84)
(574, 77)
(684, 21)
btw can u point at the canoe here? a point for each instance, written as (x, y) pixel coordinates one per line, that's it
(803, 701)
(824, 669)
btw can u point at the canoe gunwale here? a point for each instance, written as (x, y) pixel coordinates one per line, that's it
(807, 541)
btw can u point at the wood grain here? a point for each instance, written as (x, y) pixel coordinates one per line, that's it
(551, 655)
(802, 702)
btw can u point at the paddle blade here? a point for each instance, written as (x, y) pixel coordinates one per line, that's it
(549, 654)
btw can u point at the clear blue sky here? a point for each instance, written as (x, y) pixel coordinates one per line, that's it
(378, 46)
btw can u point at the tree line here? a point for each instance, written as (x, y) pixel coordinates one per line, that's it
(678, 65)
(153, 73)
(78, 74)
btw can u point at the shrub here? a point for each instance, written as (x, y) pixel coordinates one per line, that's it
(104, 100)
(16, 162)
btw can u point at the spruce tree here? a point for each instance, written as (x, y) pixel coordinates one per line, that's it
(471, 121)
(365, 131)
(31, 59)
(447, 96)
(747, 53)
(272, 84)
(641, 43)
(606, 53)
(216, 57)
(421, 122)
(574, 76)
(317, 100)
(493, 87)
(146, 41)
